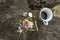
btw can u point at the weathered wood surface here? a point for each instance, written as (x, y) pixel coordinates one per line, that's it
(9, 17)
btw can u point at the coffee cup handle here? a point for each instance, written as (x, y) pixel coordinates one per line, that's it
(45, 22)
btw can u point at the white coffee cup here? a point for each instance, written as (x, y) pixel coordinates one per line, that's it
(48, 14)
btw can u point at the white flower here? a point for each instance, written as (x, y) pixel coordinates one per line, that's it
(30, 14)
(19, 30)
(25, 14)
(30, 24)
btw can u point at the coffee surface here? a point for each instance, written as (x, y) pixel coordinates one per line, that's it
(44, 15)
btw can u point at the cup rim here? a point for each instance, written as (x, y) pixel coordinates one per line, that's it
(46, 19)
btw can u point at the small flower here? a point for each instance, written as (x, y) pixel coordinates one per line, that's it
(27, 24)
(25, 21)
(30, 14)
(25, 14)
(19, 30)
(30, 24)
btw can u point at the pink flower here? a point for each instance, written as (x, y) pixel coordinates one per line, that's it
(19, 30)
(25, 25)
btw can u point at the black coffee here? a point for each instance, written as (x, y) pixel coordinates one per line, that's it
(44, 15)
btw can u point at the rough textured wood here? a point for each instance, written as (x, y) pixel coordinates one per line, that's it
(8, 27)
